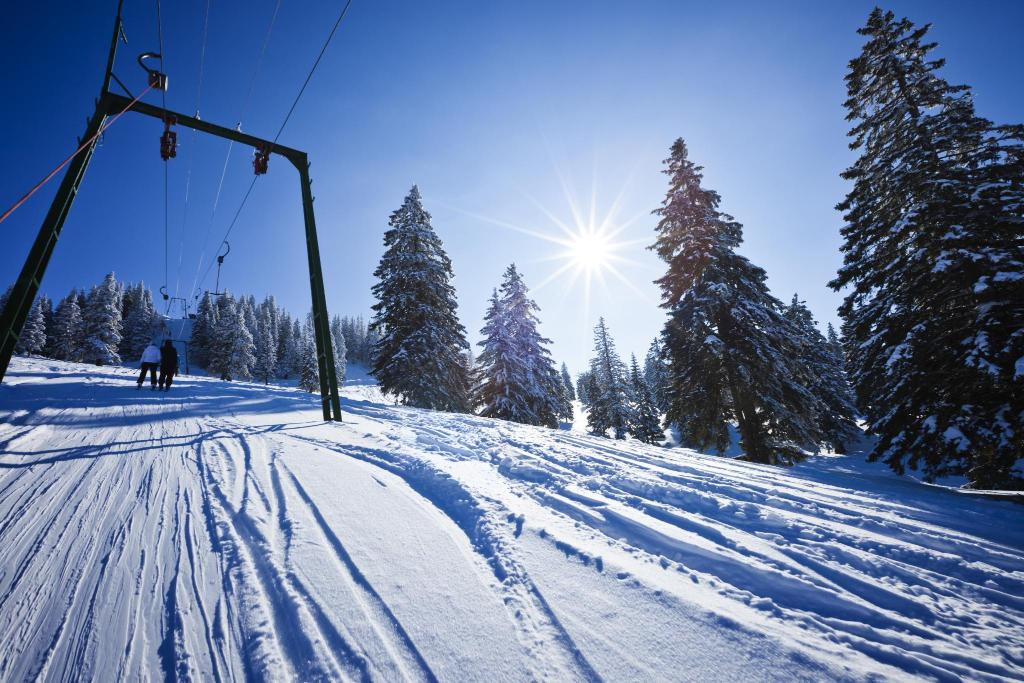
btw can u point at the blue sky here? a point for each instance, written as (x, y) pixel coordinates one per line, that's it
(506, 114)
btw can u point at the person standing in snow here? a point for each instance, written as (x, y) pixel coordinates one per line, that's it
(149, 361)
(168, 364)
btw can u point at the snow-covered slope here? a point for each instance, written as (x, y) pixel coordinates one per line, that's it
(222, 532)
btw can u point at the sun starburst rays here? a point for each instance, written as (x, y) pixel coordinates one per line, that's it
(591, 249)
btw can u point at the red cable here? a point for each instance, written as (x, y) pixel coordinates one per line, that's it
(73, 155)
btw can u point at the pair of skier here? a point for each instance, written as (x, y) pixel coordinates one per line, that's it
(165, 358)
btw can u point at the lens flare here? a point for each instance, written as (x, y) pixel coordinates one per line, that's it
(591, 250)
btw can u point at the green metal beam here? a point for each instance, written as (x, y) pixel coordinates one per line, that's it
(321, 323)
(114, 103)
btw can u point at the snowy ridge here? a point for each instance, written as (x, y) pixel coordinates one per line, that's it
(223, 532)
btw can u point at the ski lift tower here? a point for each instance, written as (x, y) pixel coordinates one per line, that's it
(25, 289)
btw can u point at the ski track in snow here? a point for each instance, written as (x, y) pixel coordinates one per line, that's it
(223, 532)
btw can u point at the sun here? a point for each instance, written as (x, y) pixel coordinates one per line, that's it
(588, 246)
(590, 250)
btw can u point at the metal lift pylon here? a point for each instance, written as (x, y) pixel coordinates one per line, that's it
(24, 291)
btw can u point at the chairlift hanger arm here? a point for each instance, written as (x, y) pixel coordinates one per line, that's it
(220, 257)
(114, 103)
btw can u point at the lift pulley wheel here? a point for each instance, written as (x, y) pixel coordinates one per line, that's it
(157, 80)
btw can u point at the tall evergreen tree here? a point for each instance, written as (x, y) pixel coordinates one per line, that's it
(656, 375)
(609, 406)
(419, 356)
(644, 420)
(231, 353)
(473, 372)
(101, 323)
(285, 345)
(294, 355)
(825, 378)
(67, 324)
(307, 365)
(340, 349)
(933, 262)
(33, 333)
(48, 325)
(357, 339)
(268, 311)
(835, 345)
(203, 328)
(570, 389)
(583, 388)
(265, 346)
(731, 353)
(518, 377)
(247, 312)
(139, 320)
(568, 395)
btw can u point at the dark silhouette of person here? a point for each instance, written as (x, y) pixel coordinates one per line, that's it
(168, 364)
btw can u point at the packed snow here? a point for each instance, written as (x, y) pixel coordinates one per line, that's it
(223, 531)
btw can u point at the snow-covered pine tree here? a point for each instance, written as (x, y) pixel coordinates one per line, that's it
(340, 349)
(285, 345)
(67, 329)
(139, 320)
(48, 325)
(126, 294)
(583, 387)
(231, 353)
(497, 393)
(265, 343)
(101, 324)
(518, 377)
(475, 379)
(570, 389)
(227, 303)
(203, 330)
(419, 356)
(366, 340)
(730, 351)
(835, 345)
(644, 419)
(825, 379)
(568, 396)
(346, 331)
(355, 337)
(247, 312)
(369, 352)
(33, 334)
(656, 375)
(609, 407)
(247, 309)
(293, 358)
(934, 264)
(308, 369)
(597, 415)
(354, 331)
(268, 311)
